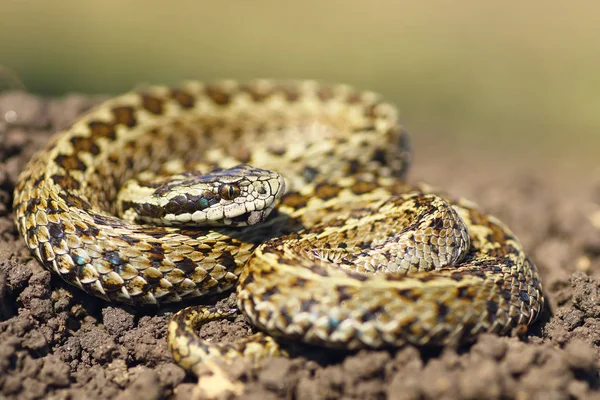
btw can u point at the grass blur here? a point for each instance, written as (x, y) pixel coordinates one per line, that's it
(520, 77)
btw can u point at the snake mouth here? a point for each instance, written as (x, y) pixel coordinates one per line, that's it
(257, 217)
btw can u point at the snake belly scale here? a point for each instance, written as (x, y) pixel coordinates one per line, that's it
(350, 257)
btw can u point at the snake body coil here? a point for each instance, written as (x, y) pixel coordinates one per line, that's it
(352, 257)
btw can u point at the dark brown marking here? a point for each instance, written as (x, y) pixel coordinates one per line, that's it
(525, 297)
(266, 295)
(130, 240)
(81, 229)
(362, 187)
(71, 162)
(124, 115)
(85, 145)
(113, 158)
(353, 167)
(372, 314)
(203, 250)
(326, 191)
(379, 156)
(443, 311)
(492, 309)
(369, 244)
(39, 180)
(325, 93)
(300, 282)
(307, 305)
(32, 204)
(152, 277)
(156, 232)
(343, 293)
(227, 260)
(217, 95)
(456, 276)
(465, 293)
(186, 265)
(146, 210)
(53, 208)
(276, 149)
(156, 254)
(66, 181)
(129, 162)
(102, 130)
(428, 278)
(310, 173)
(257, 95)
(437, 223)
(93, 231)
(184, 99)
(152, 104)
(176, 205)
(409, 294)
(109, 284)
(56, 232)
(291, 93)
(334, 223)
(358, 276)
(288, 318)
(295, 200)
(354, 98)
(249, 279)
(237, 132)
(109, 220)
(260, 129)
(371, 111)
(478, 273)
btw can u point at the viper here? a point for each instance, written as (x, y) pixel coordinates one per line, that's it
(292, 192)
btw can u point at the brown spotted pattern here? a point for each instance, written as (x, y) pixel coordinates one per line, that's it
(352, 257)
(491, 287)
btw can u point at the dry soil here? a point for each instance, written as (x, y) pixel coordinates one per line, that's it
(57, 342)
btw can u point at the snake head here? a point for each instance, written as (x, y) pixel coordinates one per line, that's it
(238, 196)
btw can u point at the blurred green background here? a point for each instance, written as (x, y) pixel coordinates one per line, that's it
(517, 77)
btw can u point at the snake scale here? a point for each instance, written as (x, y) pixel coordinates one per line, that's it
(334, 248)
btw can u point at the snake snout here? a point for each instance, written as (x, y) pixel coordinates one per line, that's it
(261, 198)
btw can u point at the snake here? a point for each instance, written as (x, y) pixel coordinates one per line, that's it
(292, 192)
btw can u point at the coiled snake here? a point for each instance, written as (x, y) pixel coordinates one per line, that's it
(351, 257)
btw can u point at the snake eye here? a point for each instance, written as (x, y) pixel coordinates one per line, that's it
(229, 191)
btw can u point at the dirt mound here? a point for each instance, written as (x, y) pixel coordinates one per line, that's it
(57, 342)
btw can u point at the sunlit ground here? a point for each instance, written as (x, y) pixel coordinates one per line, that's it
(518, 78)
